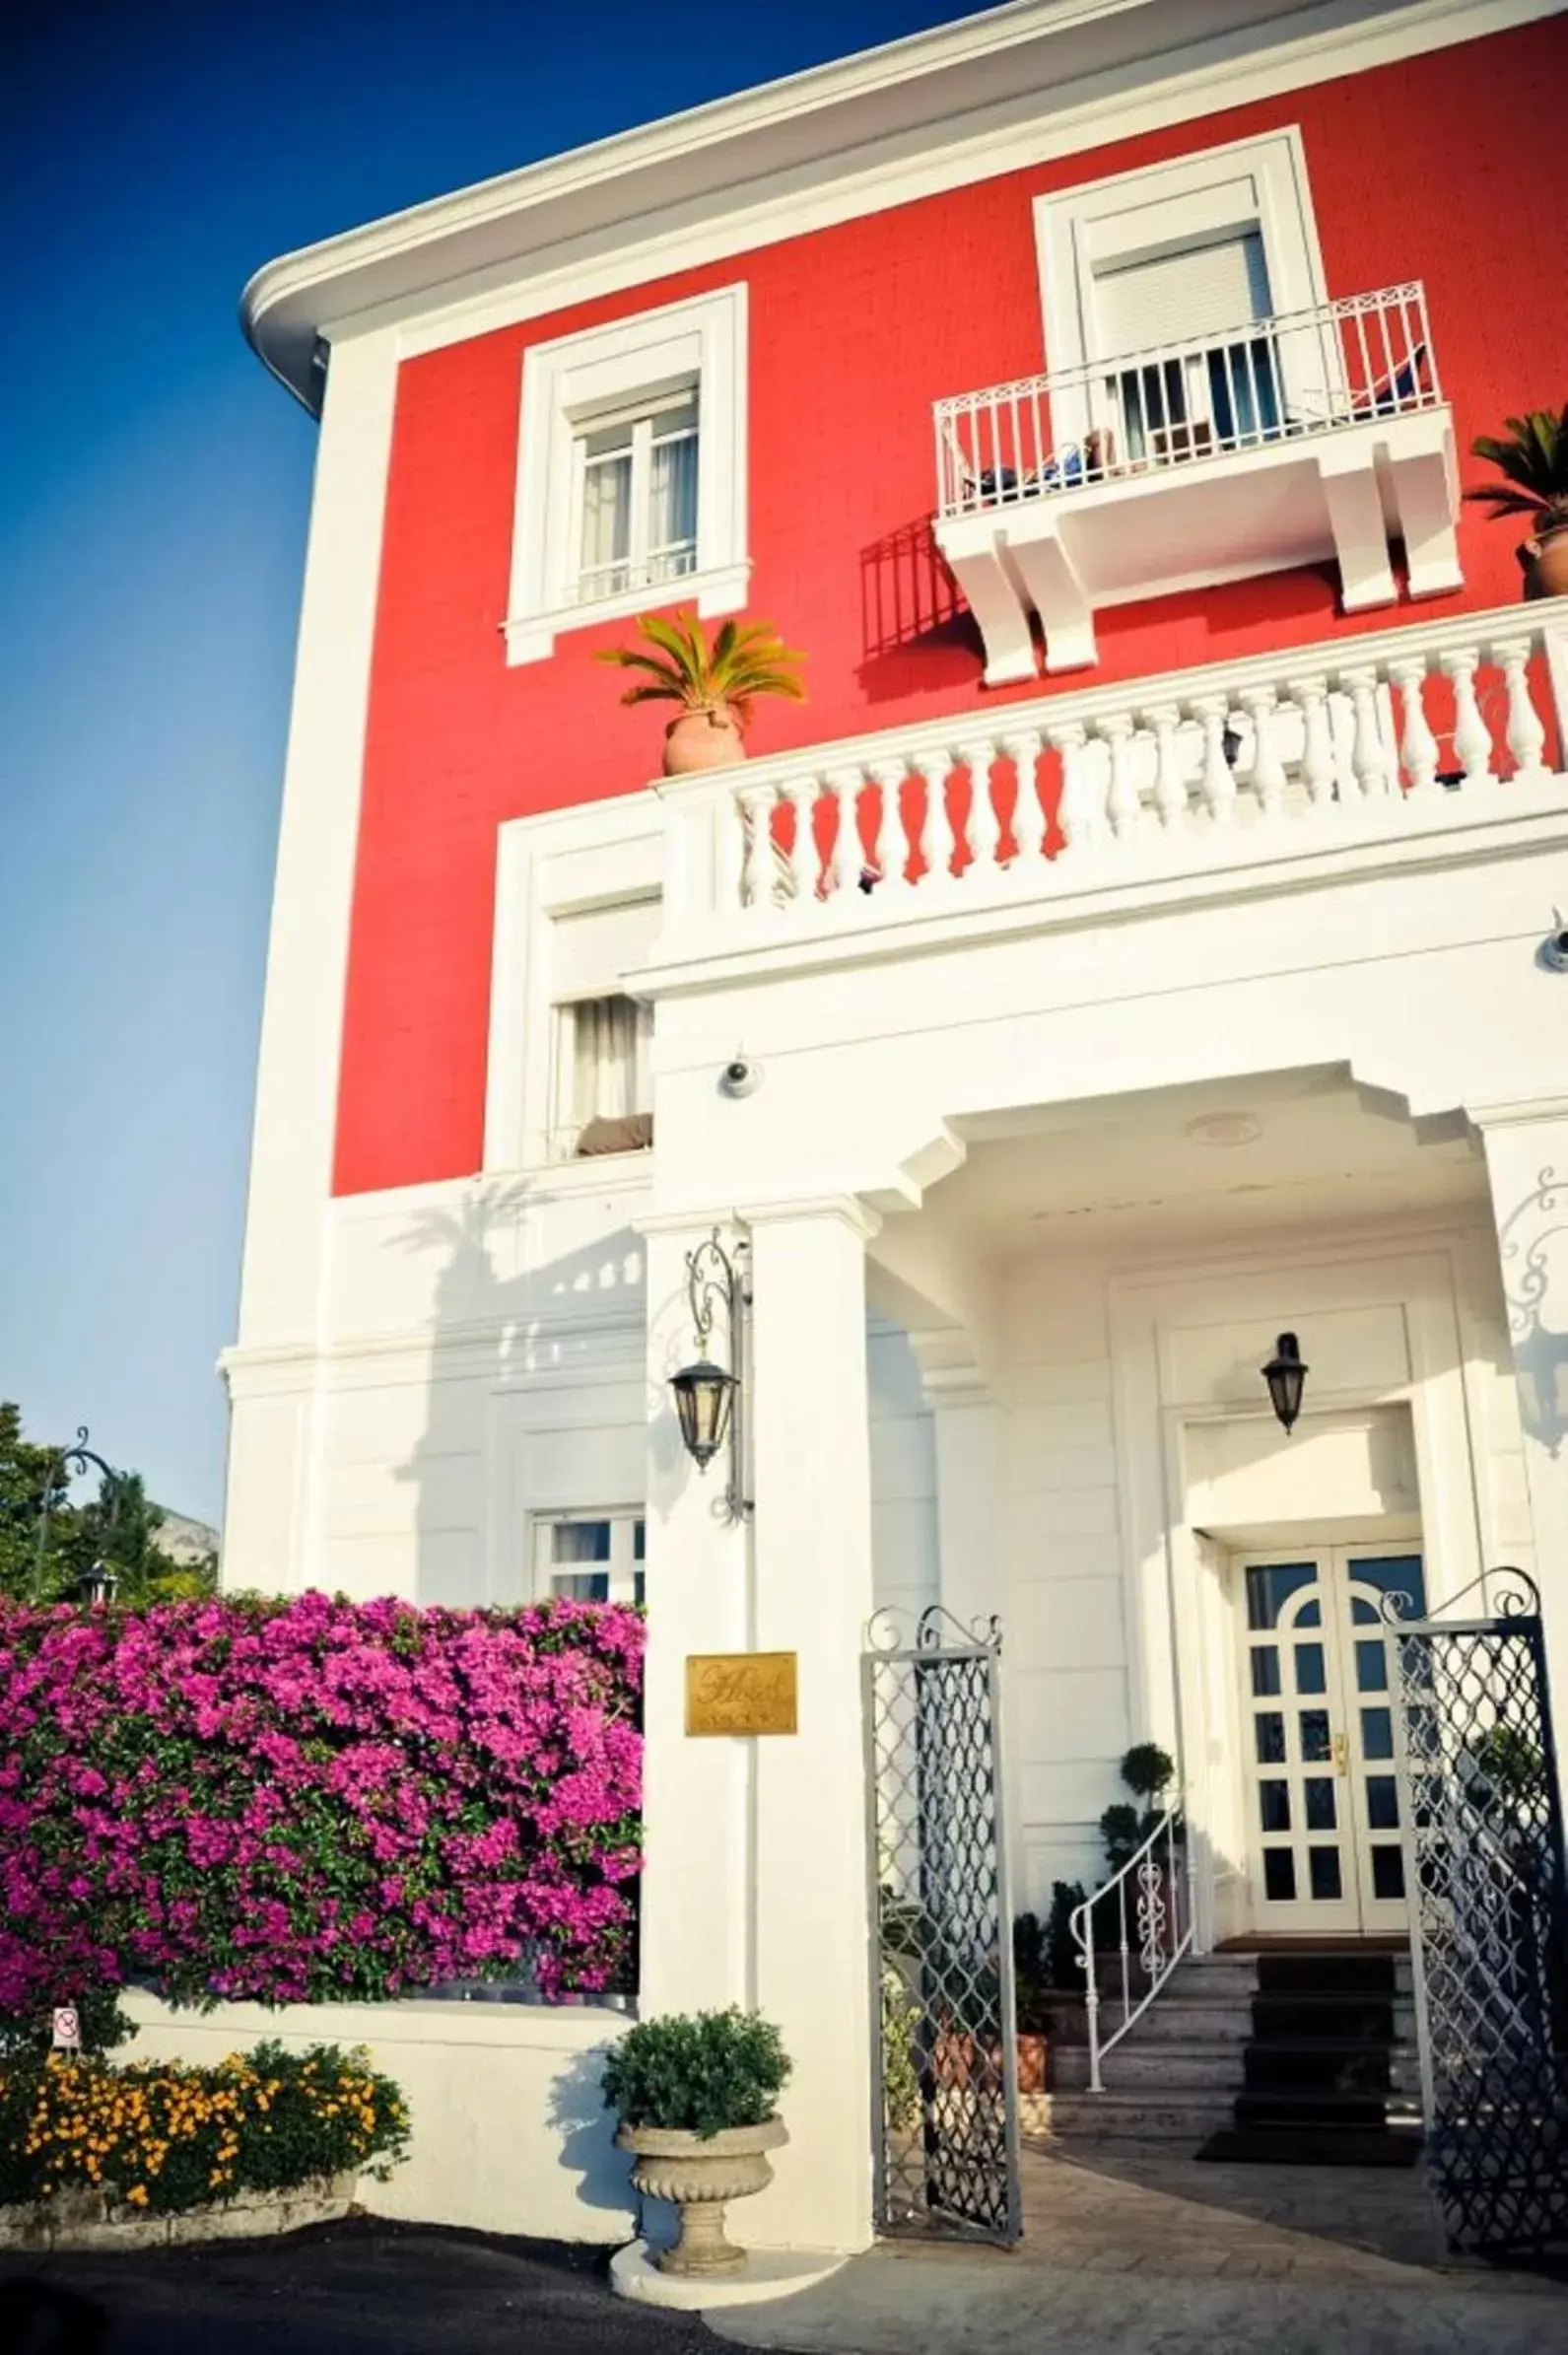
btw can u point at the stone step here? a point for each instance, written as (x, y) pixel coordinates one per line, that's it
(1115, 2116)
(1203, 2065)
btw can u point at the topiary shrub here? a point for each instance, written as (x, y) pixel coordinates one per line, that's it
(697, 2073)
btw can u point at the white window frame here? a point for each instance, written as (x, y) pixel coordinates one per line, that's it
(642, 416)
(569, 381)
(1191, 197)
(560, 862)
(624, 1567)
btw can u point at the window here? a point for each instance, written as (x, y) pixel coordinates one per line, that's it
(589, 1558)
(602, 1050)
(636, 493)
(631, 470)
(604, 1081)
(1180, 253)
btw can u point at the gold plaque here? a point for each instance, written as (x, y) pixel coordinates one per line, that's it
(741, 1693)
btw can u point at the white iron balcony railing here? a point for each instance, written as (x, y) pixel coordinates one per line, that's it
(1264, 383)
(1336, 748)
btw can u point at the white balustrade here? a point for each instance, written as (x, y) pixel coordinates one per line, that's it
(1434, 725)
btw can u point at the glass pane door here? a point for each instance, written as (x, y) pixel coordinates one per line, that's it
(1365, 1579)
(1293, 1718)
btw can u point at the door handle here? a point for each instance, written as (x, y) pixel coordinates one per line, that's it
(1341, 1754)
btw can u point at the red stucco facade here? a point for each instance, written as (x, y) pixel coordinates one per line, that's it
(1451, 167)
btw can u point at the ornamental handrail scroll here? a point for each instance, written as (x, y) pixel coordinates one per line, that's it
(1541, 1350)
(893, 1629)
(1517, 1599)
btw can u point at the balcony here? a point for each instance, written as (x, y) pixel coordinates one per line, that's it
(1316, 435)
(1438, 743)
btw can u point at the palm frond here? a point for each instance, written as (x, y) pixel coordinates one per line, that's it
(745, 660)
(1532, 456)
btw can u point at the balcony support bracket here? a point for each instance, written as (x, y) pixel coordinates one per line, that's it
(1356, 517)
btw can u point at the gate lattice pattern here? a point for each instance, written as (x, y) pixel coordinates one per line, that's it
(947, 2106)
(1485, 1858)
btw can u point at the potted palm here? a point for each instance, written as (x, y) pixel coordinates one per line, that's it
(715, 685)
(696, 2095)
(1533, 458)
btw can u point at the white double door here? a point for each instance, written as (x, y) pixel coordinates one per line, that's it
(1321, 1795)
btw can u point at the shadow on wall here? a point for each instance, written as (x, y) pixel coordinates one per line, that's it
(915, 630)
(587, 2136)
(470, 1541)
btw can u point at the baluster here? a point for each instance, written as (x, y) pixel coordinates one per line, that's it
(1472, 739)
(983, 831)
(937, 828)
(1028, 816)
(1169, 786)
(799, 862)
(891, 845)
(755, 804)
(1316, 759)
(1220, 786)
(1417, 744)
(1268, 770)
(728, 819)
(1122, 806)
(1526, 738)
(1081, 822)
(843, 862)
(1127, 1971)
(1366, 753)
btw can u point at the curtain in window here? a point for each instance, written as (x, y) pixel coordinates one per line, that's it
(606, 518)
(579, 1541)
(672, 517)
(610, 1075)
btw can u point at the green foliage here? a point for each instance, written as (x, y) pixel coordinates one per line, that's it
(697, 2073)
(901, 2084)
(1532, 459)
(745, 660)
(1511, 1761)
(164, 2138)
(101, 2018)
(123, 1536)
(1062, 1962)
(1148, 1773)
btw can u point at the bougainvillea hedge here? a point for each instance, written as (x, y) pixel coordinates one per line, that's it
(314, 1800)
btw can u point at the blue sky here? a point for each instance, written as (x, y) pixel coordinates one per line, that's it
(153, 494)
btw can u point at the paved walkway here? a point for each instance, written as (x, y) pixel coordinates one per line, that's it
(1138, 2249)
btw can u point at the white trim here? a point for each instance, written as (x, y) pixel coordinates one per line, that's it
(553, 864)
(294, 1132)
(666, 197)
(703, 341)
(1077, 230)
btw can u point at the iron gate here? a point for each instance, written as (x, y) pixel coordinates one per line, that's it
(1483, 1846)
(945, 2090)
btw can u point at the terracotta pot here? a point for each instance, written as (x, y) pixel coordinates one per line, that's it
(703, 739)
(1546, 562)
(953, 2060)
(699, 2173)
(1032, 2057)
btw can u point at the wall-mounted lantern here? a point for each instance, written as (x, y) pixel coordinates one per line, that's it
(1287, 1377)
(710, 1399)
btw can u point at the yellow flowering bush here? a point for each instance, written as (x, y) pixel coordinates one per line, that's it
(166, 2138)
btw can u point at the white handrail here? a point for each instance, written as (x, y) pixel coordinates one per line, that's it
(1285, 377)
(1163, 1896)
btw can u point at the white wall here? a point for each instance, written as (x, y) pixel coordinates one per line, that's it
(509, 2132)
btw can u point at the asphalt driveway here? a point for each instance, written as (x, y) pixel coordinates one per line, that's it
(364, 2287)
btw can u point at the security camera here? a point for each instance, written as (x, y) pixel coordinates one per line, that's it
(740, 1077)
(1553, 950)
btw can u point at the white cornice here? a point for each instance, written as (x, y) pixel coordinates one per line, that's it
(939, 100)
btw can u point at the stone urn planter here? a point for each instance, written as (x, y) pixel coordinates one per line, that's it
(1544, 562)
(699, 2173)
(702, 738)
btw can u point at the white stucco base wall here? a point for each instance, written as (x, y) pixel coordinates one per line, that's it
(509, 2132)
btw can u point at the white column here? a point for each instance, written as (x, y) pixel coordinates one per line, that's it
(812, 1551)
(694, 1927)
(1527, 1161)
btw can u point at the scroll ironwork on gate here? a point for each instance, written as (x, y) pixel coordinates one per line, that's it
(945, 2096)
(1484, 1838)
